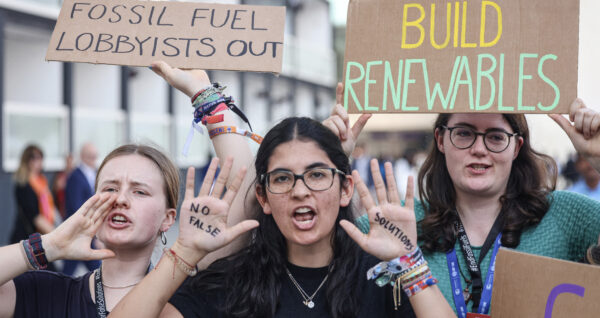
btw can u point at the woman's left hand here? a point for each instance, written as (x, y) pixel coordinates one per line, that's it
(582, 127)
(393, 229)
(188, 82)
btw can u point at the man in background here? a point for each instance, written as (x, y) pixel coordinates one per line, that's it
(80, 187)
(589, 179)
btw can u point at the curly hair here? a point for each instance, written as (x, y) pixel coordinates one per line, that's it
(523, 204)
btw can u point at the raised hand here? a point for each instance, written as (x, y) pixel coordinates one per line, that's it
(393, 229)
(188, 82)
(339, 122)
(72, 239)
(203, 218)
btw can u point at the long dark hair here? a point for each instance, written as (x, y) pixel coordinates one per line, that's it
(251, 279)
(524, 203)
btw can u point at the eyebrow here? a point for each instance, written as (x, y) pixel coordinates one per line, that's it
(475, 128)
(133, 183)
(311, 166)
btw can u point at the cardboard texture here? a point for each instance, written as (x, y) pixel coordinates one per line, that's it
(534, 286)
(508, 56)
(185, 35)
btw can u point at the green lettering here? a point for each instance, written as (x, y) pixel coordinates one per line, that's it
(369, 81)
(463, 68)
(437, 89)
(389, 78)
(348, 84)
(501, 87)
(408, 80)
(549, 81)
(523, 77)
(480, 74)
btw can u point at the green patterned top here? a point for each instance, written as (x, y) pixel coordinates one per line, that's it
(570, 226)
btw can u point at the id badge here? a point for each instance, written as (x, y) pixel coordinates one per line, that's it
(476, 315)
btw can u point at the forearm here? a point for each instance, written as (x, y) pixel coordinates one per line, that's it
(13, 262)
(151, 295)
(431, 303)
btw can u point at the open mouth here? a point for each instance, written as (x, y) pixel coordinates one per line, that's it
(478, 167)
(118, 220)
(304, 218)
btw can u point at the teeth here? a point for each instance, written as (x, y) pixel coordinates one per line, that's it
(119, 218)
(303, 210)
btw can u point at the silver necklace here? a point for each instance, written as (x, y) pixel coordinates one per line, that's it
(308, 300)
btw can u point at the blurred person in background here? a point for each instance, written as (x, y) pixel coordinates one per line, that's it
(60, 183)
(588, 181)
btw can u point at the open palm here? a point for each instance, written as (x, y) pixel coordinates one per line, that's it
(393, 231)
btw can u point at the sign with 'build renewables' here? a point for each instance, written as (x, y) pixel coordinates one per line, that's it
(461, 56)
(186, 35)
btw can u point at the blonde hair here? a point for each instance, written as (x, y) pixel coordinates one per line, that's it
(166, 167)
(22, 173)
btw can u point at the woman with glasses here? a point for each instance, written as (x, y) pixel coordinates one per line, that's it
(304, 258)
(483, 186)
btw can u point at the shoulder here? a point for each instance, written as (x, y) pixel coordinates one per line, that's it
(48, 278)
(75, 175)
(568, 199)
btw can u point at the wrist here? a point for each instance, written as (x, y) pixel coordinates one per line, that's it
(50, 249)
(189, 254)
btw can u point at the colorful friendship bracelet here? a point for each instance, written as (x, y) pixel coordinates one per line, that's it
(234, 130)
(36, 256)
(178, 262)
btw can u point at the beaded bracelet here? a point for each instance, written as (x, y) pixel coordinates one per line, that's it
(234, 130)
(190, 270)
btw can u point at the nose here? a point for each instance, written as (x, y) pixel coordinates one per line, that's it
(122, 200)
(479, 147)
(300, 189)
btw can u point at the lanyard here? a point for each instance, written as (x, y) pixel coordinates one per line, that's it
(99, 291)
(486, 295)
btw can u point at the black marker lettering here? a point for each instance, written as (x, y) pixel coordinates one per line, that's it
(212, 19)
(150, 16)
(75, 5)
(136, 13)
(242, 52)
(235, 18)
(195, 207)
(275, 48)
(194, 17)
(258, 54)
(209, 228)
(377, 217)
(254, 27)
(155, 44)
(124, 39)
(116, 13)
(58, 48)
(101, 40)
(203, 41)
(141, 43)
(159, 21)
(89, 44)
(215, 232)
(187, 46)
(92, 10)
(205, 210)
(166, 42)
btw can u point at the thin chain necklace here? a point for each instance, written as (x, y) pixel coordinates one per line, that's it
(308, 300)
(114, 287)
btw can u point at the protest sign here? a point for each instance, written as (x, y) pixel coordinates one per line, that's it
(508, 56)
(185, 35)
(534, 286)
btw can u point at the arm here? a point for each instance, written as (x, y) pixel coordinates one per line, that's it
(386, 245)
(71, 240)
(149, 297)
(582, 127)
(225, 145)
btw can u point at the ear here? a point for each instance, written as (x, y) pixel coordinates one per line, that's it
(169, 220)
(261, 196)
(520, 142)
(439, 139)
(347, 191)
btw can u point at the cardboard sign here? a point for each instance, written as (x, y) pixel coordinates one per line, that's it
(534, 286)
(185, 35)
(509, 56)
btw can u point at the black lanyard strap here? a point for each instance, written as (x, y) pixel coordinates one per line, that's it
(99, 292)
(472, 264)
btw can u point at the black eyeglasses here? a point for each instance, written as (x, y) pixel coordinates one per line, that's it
(283, 181)
(496, 140)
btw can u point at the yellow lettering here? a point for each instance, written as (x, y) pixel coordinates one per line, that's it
(482, 42)
(416, 23)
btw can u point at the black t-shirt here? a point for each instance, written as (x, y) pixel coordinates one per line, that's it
(50, 294)
(375, 301)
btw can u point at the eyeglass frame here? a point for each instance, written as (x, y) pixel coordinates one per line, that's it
(482, 134)
(265, 180)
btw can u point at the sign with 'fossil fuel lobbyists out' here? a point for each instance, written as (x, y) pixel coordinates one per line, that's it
(431, 56)
(186, 35)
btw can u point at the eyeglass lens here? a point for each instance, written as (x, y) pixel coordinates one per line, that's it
(282, 181)
(495, 141)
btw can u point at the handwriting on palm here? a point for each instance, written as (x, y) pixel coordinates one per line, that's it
(203, 219)
(393, 230)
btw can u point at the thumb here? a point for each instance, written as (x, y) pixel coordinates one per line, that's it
(240, 228)
(101, 254)
(360, 124)
(565, 124)
(161, 68)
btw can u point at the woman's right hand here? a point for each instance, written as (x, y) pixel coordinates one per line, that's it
(203, 218)
(72, 239)
(188, 82)
(339, 122)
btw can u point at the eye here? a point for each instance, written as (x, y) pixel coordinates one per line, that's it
(463, 132)
(109, 189)
(496, 137)
(140, 192)
(280, 178)
(316, 174)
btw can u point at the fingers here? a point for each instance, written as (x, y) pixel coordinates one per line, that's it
(391, 183)
(575, 106)
(363, 191)
(209, 177)
(339, 93)
(240, 228)
(101, 254)
(189, 184)
(409, 201)
(340, 126)
(378, 182)
(565, 124)
(359, 237)
(234, 187)
(222, 178)
(106, 203)
(86, 207)
(162, 69)
(360, 124)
